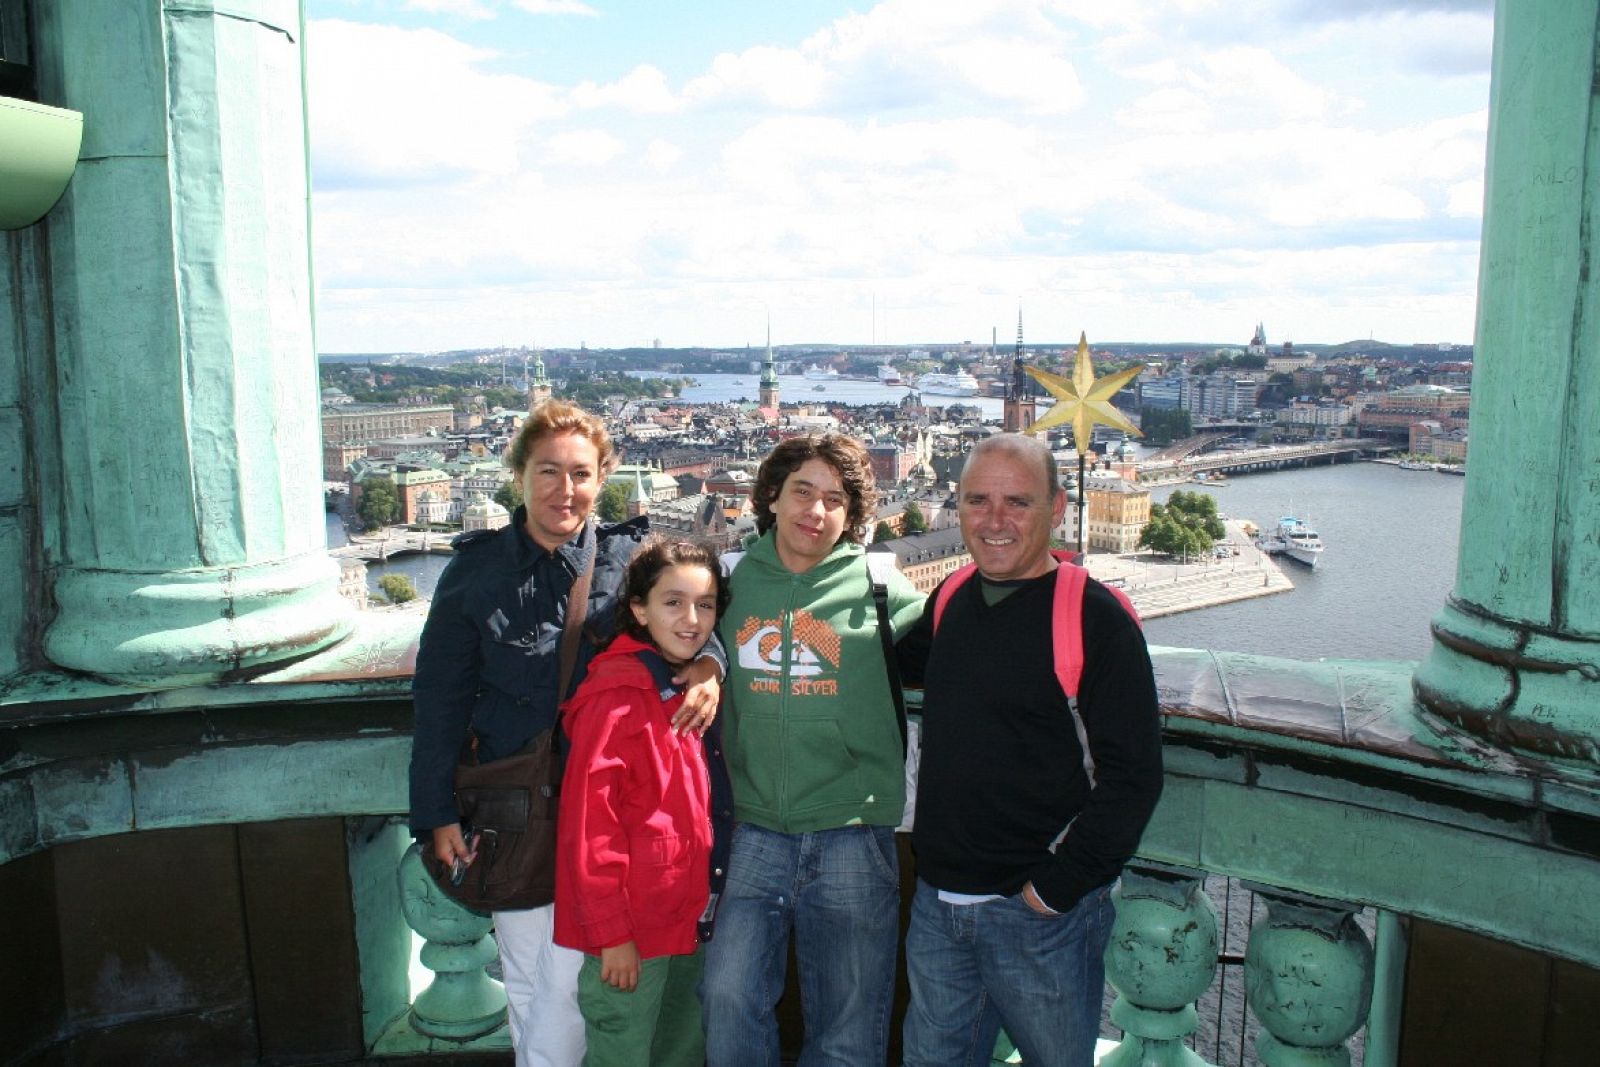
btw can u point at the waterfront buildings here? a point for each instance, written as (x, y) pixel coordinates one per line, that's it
(1164, 392)
(1392, 414)
(1315, 416)
(1209, 396)
(1430, 438)
(336, 460)
(483, 514)
(424, 495)
(360, 423)
(1118, 513)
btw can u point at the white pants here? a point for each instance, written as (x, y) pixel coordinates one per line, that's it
(541, 981)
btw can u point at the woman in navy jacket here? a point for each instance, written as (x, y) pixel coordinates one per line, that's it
(487, 663)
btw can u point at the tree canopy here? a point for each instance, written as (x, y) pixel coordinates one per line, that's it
(916, 522)
(380, 502)
(1162, 426)
(398, 588)
(509, 495)
(1186, 525)
(613, 503)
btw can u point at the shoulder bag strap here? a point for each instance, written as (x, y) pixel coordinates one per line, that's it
(880, 600)
(577, 611)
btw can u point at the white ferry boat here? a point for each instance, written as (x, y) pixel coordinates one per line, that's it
(1294, 538)
(940, 384)
(888, 375)
(821, 374)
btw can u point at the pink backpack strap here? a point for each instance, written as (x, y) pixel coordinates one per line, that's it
(1066, 612)
(1067, 633)
(1066, 628)
(946, 591)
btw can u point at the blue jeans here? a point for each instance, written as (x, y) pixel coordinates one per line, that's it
(976, 967)
(839, 891)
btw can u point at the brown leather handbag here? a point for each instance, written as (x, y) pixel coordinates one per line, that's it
(508, 806)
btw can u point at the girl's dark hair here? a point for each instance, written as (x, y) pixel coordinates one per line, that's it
(844, 454)
(645, 569)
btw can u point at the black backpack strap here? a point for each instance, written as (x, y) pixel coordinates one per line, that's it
(880, 601)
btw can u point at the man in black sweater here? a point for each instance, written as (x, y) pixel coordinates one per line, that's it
(1029, 801)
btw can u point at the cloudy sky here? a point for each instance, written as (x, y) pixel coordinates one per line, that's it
(612, 172)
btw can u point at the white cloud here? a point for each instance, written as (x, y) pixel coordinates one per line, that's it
(781, 77)
(1029, 74)
(643, 90)
(662, 155)
(904, 54)
(394, 106)
(1144, 170)
(584, 148)
(1464, 200)
(1174, 109)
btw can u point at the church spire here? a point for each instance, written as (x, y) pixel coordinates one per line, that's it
(769, 374)
(1019, 406)
(539, 388)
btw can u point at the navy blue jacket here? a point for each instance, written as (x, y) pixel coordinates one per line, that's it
(488, 658)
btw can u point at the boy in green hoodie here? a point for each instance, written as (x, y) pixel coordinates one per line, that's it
(817, 761)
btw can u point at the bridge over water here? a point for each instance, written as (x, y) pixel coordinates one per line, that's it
(390, 543)
(1253, 460)
(1181, 450)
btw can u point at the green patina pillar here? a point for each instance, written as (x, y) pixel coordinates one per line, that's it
(461, 1002)
(1308, 975)
(1162, 957)
(1517, 648)
(183, 527)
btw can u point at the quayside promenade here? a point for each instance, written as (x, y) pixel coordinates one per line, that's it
(1161, 586)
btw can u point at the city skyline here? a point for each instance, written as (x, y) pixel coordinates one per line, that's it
(557, 173)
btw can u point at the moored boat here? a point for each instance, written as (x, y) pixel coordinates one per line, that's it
(941, 384)
(1295, 538)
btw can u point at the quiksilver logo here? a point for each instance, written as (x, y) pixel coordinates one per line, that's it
(814, 649)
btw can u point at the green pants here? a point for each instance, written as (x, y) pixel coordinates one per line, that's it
(656, 1024)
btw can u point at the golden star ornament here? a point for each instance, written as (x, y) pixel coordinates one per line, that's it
(1084, 400)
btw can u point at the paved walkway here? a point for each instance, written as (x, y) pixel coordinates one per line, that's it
(1159, 586)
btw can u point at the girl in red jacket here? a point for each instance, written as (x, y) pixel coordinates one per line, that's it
(633, 859)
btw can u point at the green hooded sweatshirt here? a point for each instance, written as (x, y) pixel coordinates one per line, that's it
(809, 728)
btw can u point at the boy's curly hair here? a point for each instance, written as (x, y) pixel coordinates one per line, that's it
(844, 454)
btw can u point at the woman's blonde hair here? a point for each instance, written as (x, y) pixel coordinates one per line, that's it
(557, 416)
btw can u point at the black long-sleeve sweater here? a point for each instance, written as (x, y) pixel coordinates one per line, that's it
(1003, 775)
